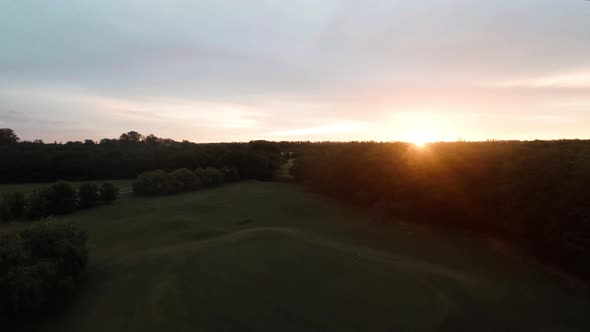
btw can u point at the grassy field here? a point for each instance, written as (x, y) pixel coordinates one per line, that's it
(124, 186)
(258, 256)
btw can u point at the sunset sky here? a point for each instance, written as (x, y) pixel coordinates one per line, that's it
(296, 70)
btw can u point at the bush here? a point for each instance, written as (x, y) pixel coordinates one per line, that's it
(108, 192)
(88, 195)
(156, 183)
(215, 176)
(36, 205)
(160, 182)
(16, 204)
(230, 174)
(61, 198)
(5, 214)
(210, 177)
(189, 180)
(39, 267)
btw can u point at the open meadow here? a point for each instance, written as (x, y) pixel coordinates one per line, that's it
(262, 256)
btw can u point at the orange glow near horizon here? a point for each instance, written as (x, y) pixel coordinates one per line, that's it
(421, 137)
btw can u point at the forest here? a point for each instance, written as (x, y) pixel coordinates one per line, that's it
(127, 156)
(533, 194)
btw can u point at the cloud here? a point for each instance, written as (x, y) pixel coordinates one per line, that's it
(569, 80)
(342, 127)
(13, 117)
(218, 70)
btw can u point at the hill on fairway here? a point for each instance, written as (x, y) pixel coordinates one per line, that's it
(256, 256)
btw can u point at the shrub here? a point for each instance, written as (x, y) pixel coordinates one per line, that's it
(155, 183)
(199, 172)
(189, 180)
(16, 204)
(5, 214)
(88, 195)
(36, 205)
(61, 198)
(215, 176)
(230, 174)
(39, 267)
(108, 192)
(210, 177)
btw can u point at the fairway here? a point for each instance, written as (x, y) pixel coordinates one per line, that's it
(259, 256)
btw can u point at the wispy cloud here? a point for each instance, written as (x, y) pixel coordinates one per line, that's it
(575, 79)
(342, 127)
(188, 112)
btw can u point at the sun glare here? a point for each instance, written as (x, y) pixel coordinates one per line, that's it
(421, 138)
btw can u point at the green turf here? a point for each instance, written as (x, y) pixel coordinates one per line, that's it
(124, 185)
(258, 256)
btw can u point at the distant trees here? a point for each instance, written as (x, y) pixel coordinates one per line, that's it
(40, 267)
(131, 137)
(59, 198)
(131, 155)
(152, 139)
(7, 136)
(533, 194)
(156, 183)
(162, 183)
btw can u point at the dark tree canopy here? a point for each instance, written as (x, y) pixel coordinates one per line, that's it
(131, 137)
(131, 155)
(534, 194)
(8, 136)
(39, 267)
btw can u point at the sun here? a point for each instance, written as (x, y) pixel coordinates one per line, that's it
(420, 138)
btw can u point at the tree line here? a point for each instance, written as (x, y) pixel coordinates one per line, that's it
(182, 180)
(534, 194)
(126, 157)
(58, 199)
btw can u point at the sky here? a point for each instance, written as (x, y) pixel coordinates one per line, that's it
(296, 70)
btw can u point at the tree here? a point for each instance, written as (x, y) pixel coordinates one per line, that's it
(230, 174)
(108, 141)
(36, 205)
(16, 204)
(61, 198)
(189, 180)
(5, 215)
(7, 136)
(210, 176)
(88, 195)
(40, 266)
(152, 139)
(108, 192)
(156, 183)
(131, 137)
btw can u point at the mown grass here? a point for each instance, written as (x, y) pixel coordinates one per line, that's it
(301, 262)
